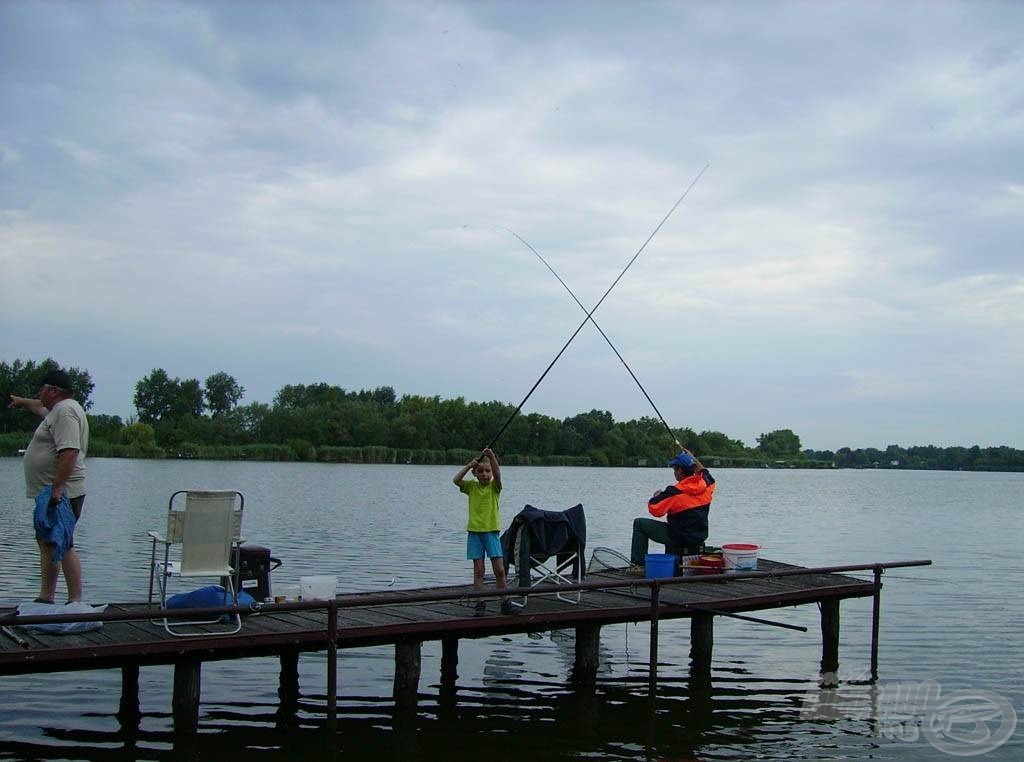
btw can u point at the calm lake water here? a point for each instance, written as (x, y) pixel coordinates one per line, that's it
(958, 622)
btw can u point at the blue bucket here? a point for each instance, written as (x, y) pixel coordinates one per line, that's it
(660, 565)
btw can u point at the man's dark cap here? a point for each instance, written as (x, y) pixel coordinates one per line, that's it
(57, 378)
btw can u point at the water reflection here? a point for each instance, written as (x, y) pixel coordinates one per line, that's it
(619, 720)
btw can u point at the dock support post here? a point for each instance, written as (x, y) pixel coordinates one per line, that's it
(875, 615)
(332, 666)
(652, 675)
(449, 662)
(128, 710)
(288, 680)
(829, 635)
(288, 688)
(449, 676)
(702, 640)
(185, 699)
(584, 670)
(407, 672)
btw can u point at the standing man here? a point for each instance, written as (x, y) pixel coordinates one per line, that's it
(685, 505)
(56, 457)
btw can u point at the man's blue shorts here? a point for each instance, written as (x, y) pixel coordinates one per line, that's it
(480, 543)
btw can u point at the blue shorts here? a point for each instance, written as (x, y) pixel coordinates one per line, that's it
(480, 543)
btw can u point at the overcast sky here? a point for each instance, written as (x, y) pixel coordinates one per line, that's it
(318, 191)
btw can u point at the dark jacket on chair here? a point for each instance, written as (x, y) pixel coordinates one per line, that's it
(543, 534)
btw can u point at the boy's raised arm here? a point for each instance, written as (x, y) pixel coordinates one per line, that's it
(495, 470)
(461, 475)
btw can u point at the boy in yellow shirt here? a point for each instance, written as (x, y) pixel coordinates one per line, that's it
(482, 527)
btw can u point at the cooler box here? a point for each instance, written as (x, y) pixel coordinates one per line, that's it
(254, 566)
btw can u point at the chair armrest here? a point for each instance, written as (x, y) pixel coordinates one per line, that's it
(157, 537)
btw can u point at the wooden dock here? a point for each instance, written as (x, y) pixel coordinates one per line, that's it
(406, 618)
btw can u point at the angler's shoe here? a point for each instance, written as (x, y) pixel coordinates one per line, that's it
(507, 607)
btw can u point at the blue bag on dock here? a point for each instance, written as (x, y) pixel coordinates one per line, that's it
(208, 597)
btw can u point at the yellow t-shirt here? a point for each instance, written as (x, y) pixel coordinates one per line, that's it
(483, 506)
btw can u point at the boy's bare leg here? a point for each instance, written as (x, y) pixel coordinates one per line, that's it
(478, 574)
(479, 604)
(498, 565)
(507, 607)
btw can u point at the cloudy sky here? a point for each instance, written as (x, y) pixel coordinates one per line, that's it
(323, 191)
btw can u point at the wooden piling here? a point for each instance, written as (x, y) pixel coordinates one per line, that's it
(407, 672)
(288, 680)
(702, 640)
(875, 616)
(449, 661)
(584, 670)
(332, 666)
(128, 710)
(185, 699)
(652, 664)
(829, 635)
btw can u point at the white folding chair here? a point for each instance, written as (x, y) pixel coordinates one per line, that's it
(208, 528)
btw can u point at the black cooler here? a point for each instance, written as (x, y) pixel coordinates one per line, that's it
(254, 566)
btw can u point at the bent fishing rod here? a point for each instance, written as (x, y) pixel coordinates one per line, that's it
(603, 335)
(594, 308)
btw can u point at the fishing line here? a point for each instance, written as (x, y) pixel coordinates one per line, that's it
(594, 309)
(603, 334)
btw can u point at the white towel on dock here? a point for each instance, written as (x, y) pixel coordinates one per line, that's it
(34, 608)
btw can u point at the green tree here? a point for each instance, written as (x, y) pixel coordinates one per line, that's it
(250, 419)
(188, 400)
(109, 428)
(781, 443)
(295, 396)
(222, 393)
(155, 396)
(718, 443)
(139, 435)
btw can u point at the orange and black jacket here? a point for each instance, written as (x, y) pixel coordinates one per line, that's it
(686, 503)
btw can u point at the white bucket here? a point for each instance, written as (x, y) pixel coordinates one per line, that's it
(320, 587)
(740, 556)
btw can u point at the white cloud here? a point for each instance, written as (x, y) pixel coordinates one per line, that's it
(86, 158)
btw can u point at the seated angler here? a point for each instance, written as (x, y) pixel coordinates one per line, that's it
(685, 504)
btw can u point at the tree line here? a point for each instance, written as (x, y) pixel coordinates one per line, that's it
(321, 422)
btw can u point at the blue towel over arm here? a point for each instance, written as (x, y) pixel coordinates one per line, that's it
(54, 525)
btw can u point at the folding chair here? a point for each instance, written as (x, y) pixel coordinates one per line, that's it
(208, 529)
(547, 548)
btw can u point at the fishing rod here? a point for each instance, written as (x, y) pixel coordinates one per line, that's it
(594, 309)
(603, 334)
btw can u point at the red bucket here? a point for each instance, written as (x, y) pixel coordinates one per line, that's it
(713, 563)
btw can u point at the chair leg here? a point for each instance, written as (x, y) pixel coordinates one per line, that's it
(176, 629)
(152, 570)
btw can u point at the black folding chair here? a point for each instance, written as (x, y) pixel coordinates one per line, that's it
(547, 548)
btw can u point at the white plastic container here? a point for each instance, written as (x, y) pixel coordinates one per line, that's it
(740, 556)
(319, 587)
